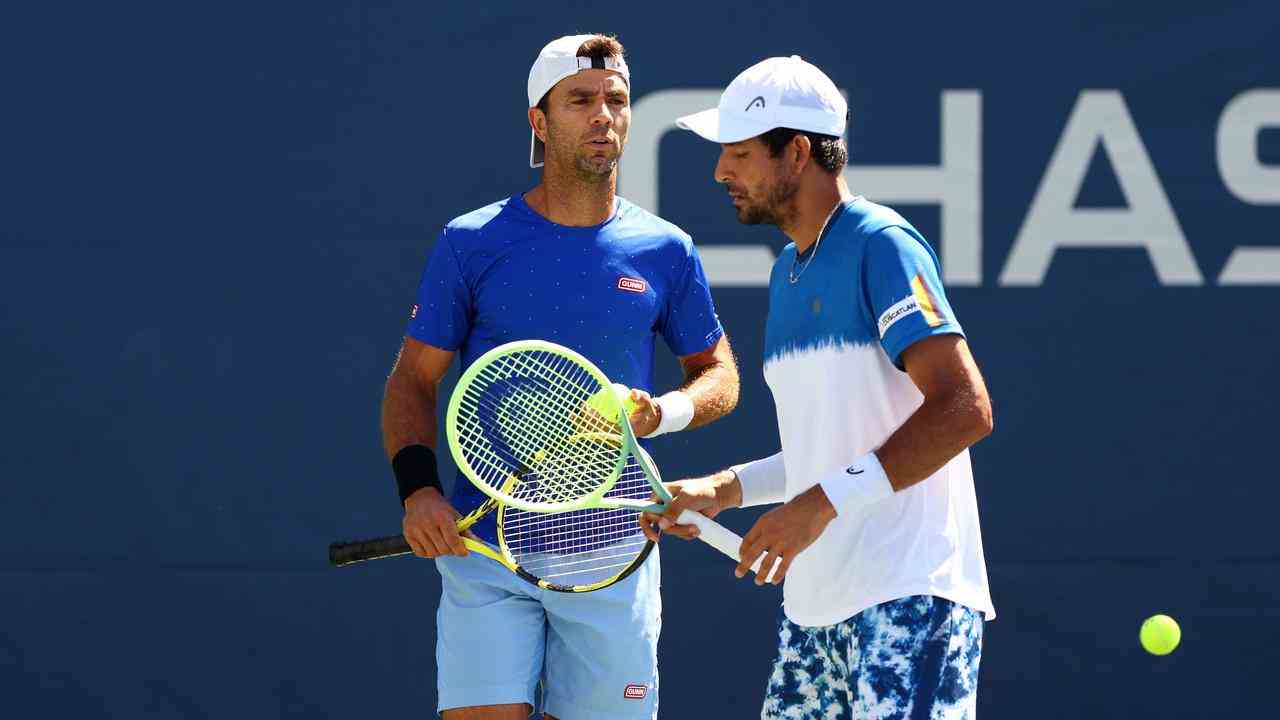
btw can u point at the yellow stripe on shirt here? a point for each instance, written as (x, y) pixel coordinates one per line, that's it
(927, 304)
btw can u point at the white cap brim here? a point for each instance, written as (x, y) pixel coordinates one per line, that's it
(537, 151)
(708, 124)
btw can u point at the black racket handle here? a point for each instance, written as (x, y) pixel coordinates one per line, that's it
(347, 553)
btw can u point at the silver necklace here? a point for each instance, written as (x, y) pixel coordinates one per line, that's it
(794, 276)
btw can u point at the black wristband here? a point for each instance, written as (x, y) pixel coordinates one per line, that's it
(415, 468)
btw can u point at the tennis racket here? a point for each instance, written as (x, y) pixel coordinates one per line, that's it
(539, 428)
(575, 551)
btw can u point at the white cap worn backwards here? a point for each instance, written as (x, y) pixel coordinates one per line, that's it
(781, 92)
(557, 61)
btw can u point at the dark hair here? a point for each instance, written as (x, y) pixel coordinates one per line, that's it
(826, 150)
(598, 48)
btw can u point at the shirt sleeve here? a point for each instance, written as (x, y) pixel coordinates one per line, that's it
(904, 292)
(689, 323)
(763, 481)
(442, 311)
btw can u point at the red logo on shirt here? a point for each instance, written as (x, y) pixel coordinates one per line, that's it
(635, 692)
(631, 284)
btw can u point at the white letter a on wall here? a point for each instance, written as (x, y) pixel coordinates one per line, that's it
(1100, 116)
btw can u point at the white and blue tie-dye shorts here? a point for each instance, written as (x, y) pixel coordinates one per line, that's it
(915, 658)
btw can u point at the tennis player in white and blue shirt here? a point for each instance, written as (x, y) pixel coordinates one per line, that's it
(878, 399)
(570, 262)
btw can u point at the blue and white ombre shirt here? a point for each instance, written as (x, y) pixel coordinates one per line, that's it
(833, 345)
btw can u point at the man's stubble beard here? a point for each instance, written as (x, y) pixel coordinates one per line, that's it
(777, 209)
(587, 168)
(594, 169)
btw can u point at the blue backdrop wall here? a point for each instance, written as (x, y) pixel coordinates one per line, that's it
(212, 222)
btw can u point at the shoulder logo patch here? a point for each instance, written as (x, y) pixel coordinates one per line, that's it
(896, 312)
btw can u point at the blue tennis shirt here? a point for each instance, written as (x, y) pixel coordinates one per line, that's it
(504, 273)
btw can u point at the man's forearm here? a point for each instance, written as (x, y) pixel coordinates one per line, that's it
(408, 414)
(937, 431)
(728, 489)
(713, 389)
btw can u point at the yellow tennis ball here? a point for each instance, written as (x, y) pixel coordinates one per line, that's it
(1160, 634)
(605, 408)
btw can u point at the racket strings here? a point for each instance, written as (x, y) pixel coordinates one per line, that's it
(555, 465)
(580, 547)
(528, 413)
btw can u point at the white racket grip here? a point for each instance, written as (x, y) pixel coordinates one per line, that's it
(720, 538)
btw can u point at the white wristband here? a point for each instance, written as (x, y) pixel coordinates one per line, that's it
(677, 413)
(857, 486)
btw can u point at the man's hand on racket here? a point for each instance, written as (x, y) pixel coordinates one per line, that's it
(784, 532)
(431, 525)
(707, 495)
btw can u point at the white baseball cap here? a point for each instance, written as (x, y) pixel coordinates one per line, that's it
(557, 61)
(781, 92)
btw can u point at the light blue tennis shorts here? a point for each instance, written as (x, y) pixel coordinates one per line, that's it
(595, 654)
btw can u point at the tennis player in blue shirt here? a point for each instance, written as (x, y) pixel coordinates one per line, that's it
(572, 263)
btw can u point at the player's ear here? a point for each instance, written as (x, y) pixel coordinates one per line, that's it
(801, 146)
(538, 121)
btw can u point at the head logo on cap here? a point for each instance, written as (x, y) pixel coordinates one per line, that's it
(780, 92)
